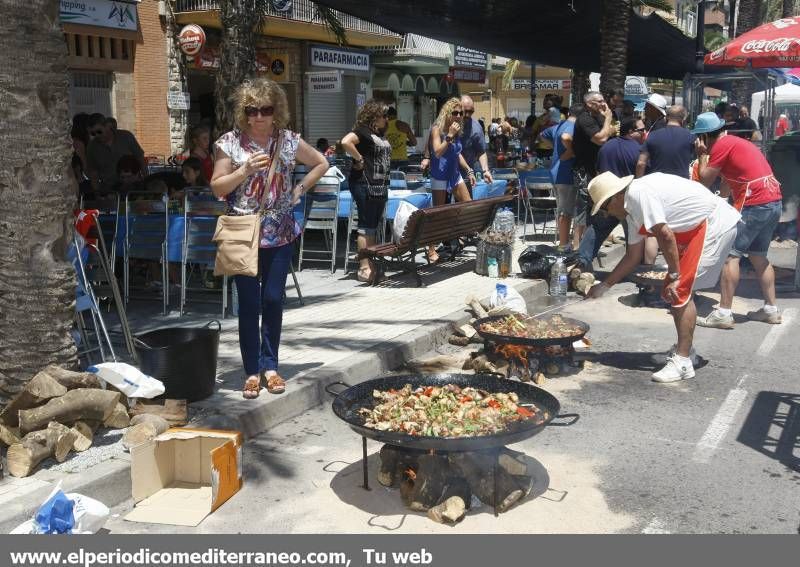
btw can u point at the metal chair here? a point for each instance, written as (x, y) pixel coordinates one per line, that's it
(415, 176)
(86, 300)
(146, 234)
(108, 205)
(322, 209)
(200, 211)
(539, 197)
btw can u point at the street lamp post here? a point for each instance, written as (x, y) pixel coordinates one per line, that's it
(700, 37)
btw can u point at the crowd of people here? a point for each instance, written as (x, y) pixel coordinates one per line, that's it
(670, 189)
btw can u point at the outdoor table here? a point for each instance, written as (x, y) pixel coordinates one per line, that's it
(395, 197)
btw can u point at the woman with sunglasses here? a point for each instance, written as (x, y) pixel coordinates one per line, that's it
(369, 176)
(242, 162)
(447, 162)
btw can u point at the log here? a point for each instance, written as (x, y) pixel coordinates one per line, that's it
(458, 341)
(36, 392)
(73, 380)
(119, 418)
(9, 435)
(512, 463)
(481, 364)
(84, 435)
(174, 411)
(394, 461)
(476, 307)
(426, 491)
(75, 405)
(55, 441)
(144, 428)
(478, 468)
(451, 511)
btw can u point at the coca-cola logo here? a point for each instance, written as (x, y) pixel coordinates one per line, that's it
(770, 46)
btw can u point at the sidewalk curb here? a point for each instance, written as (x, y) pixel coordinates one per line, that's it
(110, 483)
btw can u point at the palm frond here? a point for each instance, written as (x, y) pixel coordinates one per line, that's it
(663, 5)
(508, 74)
(714, 40)
(330, 19)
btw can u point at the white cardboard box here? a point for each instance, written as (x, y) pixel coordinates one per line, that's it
(183, 475)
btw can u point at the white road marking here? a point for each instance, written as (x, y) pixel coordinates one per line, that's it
(656, 526)
(721, 423)
(776, 332)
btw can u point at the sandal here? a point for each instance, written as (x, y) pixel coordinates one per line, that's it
(252, 387)
(365, 275)
(275, 384)
(433, 257)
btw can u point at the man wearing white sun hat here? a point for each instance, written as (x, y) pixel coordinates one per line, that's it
(695, 230)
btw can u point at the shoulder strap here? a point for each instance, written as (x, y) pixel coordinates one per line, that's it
(273, 164)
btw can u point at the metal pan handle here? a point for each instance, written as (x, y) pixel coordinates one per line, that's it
(329, 388)
(573, 417)
(207, 325)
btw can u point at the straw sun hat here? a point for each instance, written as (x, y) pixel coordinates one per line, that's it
(605, 186)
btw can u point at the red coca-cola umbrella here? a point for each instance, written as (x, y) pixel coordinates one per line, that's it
(776, 44)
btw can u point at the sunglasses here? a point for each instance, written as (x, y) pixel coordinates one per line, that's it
(252, 111)
(96, 133)
(457, 113)
(640, 129)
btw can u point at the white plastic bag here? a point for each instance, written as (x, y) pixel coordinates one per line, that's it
(513, 301)
(128, 379)
(90, 514)
(404, 212)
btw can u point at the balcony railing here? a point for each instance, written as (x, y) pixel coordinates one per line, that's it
(415, 46)
(298, 11)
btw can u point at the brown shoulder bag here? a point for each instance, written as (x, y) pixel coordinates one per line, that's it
(238, 236)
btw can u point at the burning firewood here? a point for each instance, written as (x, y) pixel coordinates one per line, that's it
(493, 485)
(427, 487)
(394, 462)
(56, 441)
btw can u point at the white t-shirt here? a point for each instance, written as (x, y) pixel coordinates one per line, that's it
(682, 204)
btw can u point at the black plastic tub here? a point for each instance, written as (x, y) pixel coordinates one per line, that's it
(184, 359)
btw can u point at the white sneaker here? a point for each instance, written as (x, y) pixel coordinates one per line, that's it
(662, 357)
(716, 320)
(674, 371)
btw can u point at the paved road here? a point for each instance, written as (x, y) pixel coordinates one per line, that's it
(720, 453)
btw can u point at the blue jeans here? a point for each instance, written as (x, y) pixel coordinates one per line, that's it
(756, 229)
(596, 233)
(263, 295)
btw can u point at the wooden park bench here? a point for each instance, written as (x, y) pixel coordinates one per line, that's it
(433, 226)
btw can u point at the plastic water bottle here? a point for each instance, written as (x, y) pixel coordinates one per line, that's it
(558, 278)
(492, 267)
(503, 221)
(502, 292)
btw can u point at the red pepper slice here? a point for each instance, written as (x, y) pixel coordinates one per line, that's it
(494, 404)
(525, 412)
(465, 399)
(428, 391)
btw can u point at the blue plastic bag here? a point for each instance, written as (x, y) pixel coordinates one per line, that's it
(55, 515)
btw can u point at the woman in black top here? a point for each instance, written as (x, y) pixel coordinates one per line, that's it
(369, 177)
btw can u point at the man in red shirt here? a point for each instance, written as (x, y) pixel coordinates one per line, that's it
(756, 194)
(782, 126)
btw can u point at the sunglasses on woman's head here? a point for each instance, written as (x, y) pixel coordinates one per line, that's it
(457, 113)
(252, 111)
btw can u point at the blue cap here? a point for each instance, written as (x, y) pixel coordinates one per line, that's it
(708, 122)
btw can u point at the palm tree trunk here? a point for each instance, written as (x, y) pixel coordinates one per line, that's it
(241, 21)
(37, 285)
(614, 44)
(580, 85)
(749, 18)
(788, 8)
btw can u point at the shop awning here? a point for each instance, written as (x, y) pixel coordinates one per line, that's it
(539, 31)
